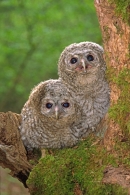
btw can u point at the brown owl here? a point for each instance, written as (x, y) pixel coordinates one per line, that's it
(48, 117)
(82, 69)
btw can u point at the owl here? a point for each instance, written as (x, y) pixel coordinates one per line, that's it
(48, 117)
(82, 69)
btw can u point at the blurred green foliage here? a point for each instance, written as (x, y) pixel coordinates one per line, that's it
(32, 36)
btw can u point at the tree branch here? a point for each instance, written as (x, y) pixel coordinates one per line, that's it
(12, 151)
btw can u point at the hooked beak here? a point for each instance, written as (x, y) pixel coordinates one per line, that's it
(83, 64)
(57, 112)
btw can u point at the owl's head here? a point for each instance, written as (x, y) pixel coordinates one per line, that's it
(81, 60)
(56, 108)
(52, 100)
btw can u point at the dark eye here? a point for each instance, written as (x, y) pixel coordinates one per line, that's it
(73, 60)
(49, 105)
(66, 105)
(90, 58)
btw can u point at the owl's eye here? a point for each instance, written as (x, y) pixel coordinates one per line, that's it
(73, 60)
(90, 58)
(49, 105)
(66, 105)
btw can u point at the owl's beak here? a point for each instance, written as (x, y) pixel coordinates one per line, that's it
(83, 64)
(57, 112)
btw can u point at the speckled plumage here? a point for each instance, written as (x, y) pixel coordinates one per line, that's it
(82, 69)
(83, 85)
(40, 127)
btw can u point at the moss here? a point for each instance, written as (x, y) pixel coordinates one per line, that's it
(123, 8)
(66, 169)
(122, 149)
(121, 110)
(106, 30)
(120, 113)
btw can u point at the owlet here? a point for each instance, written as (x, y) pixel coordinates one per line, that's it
(82, 69)
(48, 117)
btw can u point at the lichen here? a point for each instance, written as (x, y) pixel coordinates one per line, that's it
(123, 9)
(62, 171)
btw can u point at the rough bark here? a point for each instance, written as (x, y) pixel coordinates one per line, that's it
(12, 152)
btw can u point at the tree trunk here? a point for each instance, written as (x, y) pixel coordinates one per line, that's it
(116, 40)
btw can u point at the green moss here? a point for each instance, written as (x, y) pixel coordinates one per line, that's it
(123, 8)
(122, 149)
(121, 110)
(120, 113)
(110, 73)
(83, 165)
(106, 33)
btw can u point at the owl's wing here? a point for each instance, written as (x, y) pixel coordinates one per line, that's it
(81, 128)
